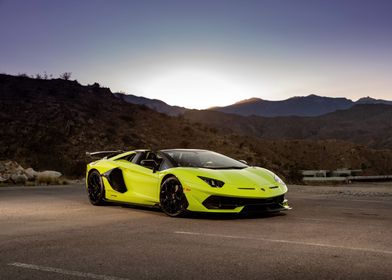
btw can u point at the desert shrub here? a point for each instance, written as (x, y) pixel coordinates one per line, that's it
(127, 118)
(111, 131)
(43, 179)
(126, 139)
(294, 176)
(65, 76)
(213, 130)
(185, 144)
(76, 169)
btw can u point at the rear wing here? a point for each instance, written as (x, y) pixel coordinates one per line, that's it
(103, 154)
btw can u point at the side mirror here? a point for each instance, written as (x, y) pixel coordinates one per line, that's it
(243, 161)
(149, 163)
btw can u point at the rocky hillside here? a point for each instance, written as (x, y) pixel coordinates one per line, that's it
(50, 124)
(154, 104)
(365, 124)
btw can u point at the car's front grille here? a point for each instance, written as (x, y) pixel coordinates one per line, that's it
(225, 202)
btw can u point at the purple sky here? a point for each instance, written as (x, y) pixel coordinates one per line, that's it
(203, 53)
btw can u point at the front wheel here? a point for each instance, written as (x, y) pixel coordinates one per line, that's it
(172, 198)
(95, 188)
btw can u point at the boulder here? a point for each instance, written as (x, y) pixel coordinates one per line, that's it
(31, 173)
(48, 177)
(50, 173)
(2, 179)
(18, 178)
(2, 166)
(12, 172)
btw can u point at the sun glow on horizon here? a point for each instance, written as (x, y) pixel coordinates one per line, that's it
(195, 88)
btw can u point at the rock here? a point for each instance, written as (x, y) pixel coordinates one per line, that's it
(19, 178)
(2, 179)
(48, 177)
(12, 172)
(2, 166)
(30, 173)
(50, 173)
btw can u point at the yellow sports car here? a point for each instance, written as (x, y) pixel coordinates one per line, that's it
(182, 180)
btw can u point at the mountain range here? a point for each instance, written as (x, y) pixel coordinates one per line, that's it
(367, 121)
(50, 124)
(305, 106)
(154, 104)
(367, 124)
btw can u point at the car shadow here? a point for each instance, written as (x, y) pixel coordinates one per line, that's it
(233, 216)
(204, 216)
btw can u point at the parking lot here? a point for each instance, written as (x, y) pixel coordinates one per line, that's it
(333, 232)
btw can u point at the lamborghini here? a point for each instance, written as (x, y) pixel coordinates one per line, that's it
(183, 180)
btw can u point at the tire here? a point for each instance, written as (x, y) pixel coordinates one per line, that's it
(95, 188)
(172, 198)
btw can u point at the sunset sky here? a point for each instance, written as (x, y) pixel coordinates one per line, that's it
(199, 54)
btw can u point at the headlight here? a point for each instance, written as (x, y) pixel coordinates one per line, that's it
(283, 186)
(212, 182)
(277, 179)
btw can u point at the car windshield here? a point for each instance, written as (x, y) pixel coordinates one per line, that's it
(203, 159)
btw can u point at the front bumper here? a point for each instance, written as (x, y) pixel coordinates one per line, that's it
(220, 201)
(272, 204)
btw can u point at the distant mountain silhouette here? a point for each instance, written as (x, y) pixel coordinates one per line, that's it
(307, 106)
(154, 104)
(368, 124)
(369, 100)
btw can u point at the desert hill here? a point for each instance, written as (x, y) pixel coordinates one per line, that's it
(154, 104)
(367, 124)
(50, 124)
(302, 106)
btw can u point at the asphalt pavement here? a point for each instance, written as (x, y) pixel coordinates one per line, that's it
(53, 232)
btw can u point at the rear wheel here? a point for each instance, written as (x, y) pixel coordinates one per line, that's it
(95, 188)
(172, 198)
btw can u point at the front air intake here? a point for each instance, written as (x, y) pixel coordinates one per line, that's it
(226, 202)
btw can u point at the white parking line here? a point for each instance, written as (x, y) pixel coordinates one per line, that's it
(66, 272)
(285, 242)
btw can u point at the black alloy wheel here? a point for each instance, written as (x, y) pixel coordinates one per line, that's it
(172, 198)
(95, 188)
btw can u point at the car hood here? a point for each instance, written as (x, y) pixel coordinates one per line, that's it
(246, 178)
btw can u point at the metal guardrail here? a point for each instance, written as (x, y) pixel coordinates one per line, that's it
(324, 179)
(370, 178)
(349, 179)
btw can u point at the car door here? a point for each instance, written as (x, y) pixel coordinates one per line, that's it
(142, 184)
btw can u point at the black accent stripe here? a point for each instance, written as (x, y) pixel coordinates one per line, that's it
(226, 202)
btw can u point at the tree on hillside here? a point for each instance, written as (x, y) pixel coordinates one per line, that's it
(66, 76)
